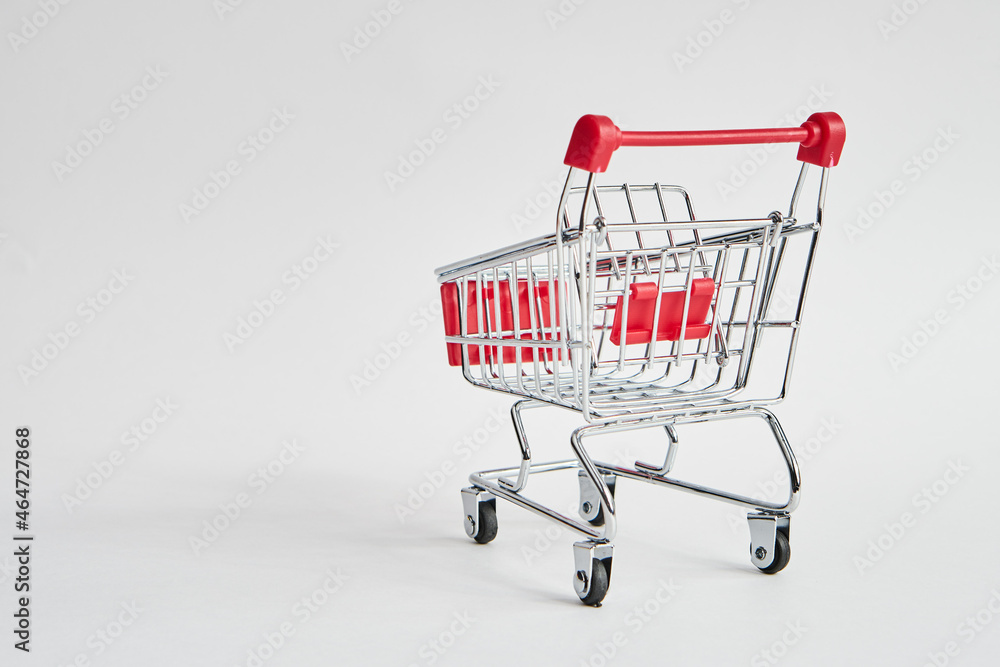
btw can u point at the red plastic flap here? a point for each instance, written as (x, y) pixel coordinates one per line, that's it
(642, 305)
(452, 323)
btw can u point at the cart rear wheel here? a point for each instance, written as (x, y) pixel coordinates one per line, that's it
(486, 525)
(597, 520)
(782, 554)
(590, 499)
(599, 581)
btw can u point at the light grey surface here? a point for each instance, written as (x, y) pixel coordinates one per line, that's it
(898, 427)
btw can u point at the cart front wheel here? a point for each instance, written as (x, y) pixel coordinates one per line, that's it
(782, 554)
(599, 581)
(486, 523)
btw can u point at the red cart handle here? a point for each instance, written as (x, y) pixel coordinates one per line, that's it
(595, 138)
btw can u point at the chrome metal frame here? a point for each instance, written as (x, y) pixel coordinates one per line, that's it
(496, 483)
(569, 283)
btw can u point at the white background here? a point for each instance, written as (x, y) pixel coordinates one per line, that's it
(367, 448)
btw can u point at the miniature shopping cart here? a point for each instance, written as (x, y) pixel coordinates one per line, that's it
(638, 315)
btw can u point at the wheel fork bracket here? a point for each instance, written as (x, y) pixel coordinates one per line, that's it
(764, 529)
(584, 554)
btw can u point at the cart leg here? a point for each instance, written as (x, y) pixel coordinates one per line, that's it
(593, 571)
(769, 545)
(522, 441)
(597, 481)
(791, 465)
(480, 514)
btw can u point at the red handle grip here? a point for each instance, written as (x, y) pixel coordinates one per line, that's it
(595, 138)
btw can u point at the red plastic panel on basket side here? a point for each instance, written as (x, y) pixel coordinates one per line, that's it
(641, 307)
(453, 327)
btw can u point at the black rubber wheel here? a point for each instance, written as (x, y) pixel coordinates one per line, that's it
(599, 582)
(782, 554)
(598, 520)
(486, 526)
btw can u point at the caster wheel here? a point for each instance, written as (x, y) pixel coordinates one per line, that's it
(591, 509)
(486, 525)
(782, 554)
(598, 520)
(598, 584)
